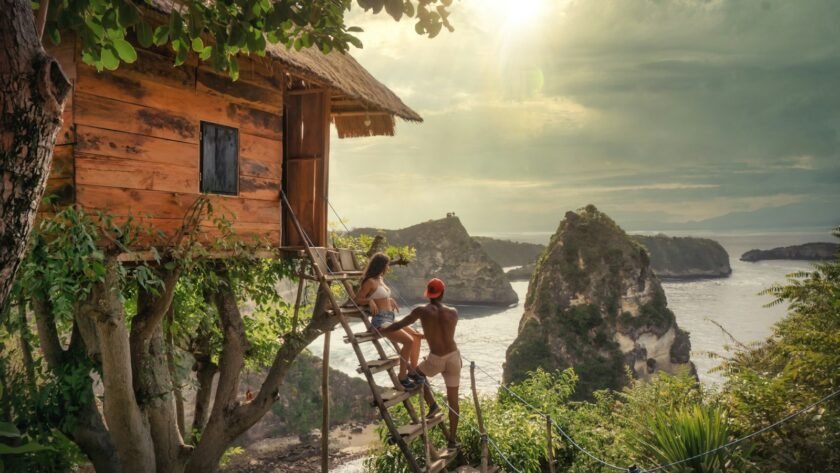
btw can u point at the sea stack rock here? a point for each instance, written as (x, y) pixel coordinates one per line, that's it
(445, 250)
(685, 257)
(595, 304)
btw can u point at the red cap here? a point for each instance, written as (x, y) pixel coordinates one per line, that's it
(434, 288)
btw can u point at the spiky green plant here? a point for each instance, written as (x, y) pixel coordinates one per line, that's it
(684, 433)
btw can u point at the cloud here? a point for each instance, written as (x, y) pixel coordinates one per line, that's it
(697, 106)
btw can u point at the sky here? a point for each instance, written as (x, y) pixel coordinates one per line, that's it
(659, 112)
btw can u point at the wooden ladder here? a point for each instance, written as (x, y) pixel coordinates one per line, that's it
(330, 266)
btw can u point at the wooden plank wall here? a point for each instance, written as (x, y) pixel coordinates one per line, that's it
(138, 135)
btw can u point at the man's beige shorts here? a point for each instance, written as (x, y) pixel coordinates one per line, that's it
(449, 366)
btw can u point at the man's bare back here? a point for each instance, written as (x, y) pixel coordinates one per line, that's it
(439, 323)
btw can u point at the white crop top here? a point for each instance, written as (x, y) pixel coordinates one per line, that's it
(381, 292)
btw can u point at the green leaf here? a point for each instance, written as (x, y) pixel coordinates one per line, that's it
(144, 34)
(125, 50)
(181, 54)
(197, 44)
(205, 53)
(234, 69)
(161, 35)
(95, 28)
(355, 29)
(109, 59)
(55, 36)
(7, 429)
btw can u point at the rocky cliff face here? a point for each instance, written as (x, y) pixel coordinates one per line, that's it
(685, 257)
(594, 304)
(445, 250)
(808, 252)
(510, 253)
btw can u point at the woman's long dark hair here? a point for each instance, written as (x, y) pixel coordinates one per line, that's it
(376, 266)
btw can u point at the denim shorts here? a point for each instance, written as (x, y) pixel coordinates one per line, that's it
(383, 318)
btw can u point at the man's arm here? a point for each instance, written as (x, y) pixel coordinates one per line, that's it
(404, 322)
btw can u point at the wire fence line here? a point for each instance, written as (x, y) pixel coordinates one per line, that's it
(568, 437)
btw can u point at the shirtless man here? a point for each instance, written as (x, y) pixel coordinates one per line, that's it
(438, 323)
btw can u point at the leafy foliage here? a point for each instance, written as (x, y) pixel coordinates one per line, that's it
(217, 31)
(797, 365)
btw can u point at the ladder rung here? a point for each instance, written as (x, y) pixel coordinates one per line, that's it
(437, 465)
(376, 366)
(392, 397)
(347, 312)
(340, 276)
(361, 337)
(447, 454)
(412, 431)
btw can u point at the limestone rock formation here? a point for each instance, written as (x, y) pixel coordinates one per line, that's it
(685, 257)
(595, 304)
(808, 252)
(445, 250)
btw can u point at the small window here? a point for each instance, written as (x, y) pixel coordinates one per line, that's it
(219, 159)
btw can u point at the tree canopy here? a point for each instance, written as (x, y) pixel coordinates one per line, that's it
(217, 31)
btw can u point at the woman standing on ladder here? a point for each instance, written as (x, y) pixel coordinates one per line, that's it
(377, 295)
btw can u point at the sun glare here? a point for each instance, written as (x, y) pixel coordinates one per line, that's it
(520, 14)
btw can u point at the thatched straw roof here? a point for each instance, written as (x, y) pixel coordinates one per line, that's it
(370, 106)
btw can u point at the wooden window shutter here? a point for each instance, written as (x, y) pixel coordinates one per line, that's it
(219, 159)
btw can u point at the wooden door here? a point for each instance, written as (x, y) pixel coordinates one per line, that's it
(307, 164)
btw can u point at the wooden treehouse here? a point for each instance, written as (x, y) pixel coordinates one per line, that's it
(149, 139)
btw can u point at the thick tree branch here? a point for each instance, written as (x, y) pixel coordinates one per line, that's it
(129, 427)
(47, 332)
(41, 17)
(226, 424)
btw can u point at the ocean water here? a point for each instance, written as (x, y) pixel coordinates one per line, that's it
(484, 333)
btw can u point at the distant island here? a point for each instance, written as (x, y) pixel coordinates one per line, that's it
(510, 253)
(808, 252)
(685, 257)
(670, 257)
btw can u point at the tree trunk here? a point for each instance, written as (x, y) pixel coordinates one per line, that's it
(173, 373)
(229, 417)
(129, 426)
(205, 372)
(33, 89)
(25, 346)
(152, 381)
(89, 433)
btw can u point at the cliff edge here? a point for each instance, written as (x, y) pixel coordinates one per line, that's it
(595, 304)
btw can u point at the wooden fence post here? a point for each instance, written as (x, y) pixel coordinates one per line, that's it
(325, 397)
(478, 416)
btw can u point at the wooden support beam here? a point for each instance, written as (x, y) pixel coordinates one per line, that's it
(481, 431)
(325, 400)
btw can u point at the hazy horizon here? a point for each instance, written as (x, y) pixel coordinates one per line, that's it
(660, 113)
